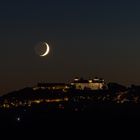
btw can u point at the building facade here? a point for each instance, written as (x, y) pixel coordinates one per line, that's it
(92, 84)
(52, 86)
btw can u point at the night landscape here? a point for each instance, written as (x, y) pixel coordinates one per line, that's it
(69, 61)
(59, 101)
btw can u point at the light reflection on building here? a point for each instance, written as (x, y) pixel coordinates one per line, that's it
(92, 84)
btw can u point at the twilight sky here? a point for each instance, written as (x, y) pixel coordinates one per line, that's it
(87, 38)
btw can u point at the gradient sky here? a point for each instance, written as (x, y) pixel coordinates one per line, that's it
(87, 38)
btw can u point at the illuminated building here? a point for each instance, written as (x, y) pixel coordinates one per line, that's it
(52, 86)
(92, 84)
(78, 83)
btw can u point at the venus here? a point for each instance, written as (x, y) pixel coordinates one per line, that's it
(42, 49)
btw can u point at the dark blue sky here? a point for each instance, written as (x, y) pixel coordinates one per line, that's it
(87, 38)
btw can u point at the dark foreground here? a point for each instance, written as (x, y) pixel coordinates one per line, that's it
(51, 109)
(99, 114)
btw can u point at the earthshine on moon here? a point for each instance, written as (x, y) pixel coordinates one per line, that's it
(47, 50)
(42, 49)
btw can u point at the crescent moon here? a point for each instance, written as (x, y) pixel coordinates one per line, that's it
(47, 50)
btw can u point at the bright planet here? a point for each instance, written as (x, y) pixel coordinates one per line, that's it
(42, 49)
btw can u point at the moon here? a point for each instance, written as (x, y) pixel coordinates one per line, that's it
(47, 50)
(42, 49)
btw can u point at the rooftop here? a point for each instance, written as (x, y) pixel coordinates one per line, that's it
(95, 80)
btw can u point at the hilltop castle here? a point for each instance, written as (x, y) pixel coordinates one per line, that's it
(77, 83)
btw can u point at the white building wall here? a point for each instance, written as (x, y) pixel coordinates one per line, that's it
(96, 86)
(92, 86)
